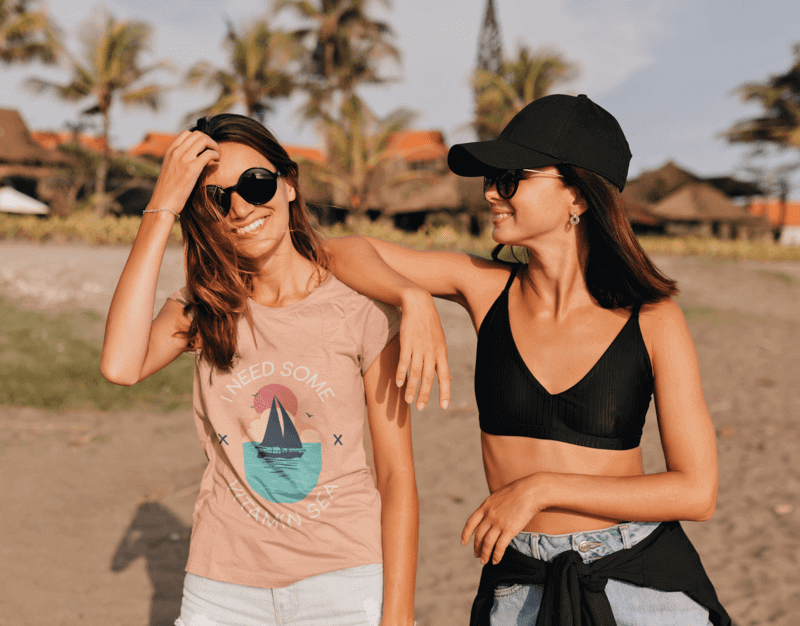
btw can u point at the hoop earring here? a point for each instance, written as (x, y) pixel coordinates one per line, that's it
(574, 220)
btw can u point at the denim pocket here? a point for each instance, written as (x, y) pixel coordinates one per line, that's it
(503, 591)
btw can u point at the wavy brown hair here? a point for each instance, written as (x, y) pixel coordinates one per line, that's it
(618, 271)
(219, 280)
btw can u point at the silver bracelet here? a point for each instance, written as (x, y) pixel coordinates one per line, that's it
(160, 210)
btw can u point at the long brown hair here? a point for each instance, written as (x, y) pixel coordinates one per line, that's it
(618, 272)
(219, 280)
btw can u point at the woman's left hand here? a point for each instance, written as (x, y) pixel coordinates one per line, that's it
(423, 351)
(501, 516)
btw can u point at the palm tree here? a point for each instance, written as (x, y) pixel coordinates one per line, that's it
(344, 49)
(27, 34)
(111, 69)
(255, 76)
(519, 81)
(779, 95)
(357, 151)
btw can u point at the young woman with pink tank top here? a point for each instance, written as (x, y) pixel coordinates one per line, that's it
(574, 336)
(289, 527)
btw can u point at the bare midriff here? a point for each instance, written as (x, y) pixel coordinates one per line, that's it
(507, 459)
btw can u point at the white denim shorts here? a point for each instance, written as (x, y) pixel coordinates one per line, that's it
(351, 597)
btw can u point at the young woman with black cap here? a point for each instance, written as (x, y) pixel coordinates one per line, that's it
(573, 339)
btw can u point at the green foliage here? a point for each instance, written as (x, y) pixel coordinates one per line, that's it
(53, 362)
(255, 76)
(110, 70)
(779, 96)
(86, 228)
(27, 34)
(358, 143)
(501, 95)
(80, 226)
(717, 248)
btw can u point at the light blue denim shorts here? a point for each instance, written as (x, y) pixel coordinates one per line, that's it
(347, 597)
(518, 605)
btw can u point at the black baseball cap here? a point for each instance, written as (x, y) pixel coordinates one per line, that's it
(548, 131)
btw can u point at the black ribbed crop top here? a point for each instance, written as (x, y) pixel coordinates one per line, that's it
(605, 409)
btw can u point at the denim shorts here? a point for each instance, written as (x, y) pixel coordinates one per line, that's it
(518, 605)
(351, 597)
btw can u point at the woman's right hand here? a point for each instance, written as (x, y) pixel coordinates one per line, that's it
(183, 163)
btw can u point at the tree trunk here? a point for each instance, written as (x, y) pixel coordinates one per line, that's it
(100, 199)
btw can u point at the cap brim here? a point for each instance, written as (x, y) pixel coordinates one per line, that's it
(475, 159)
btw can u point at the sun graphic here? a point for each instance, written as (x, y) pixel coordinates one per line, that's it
(263, 399)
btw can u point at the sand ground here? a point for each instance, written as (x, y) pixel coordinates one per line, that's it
(97, 506)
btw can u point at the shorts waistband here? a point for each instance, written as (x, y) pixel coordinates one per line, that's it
(591, 544)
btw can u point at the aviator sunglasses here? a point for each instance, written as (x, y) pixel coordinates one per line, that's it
(256, 185)
(508, 182)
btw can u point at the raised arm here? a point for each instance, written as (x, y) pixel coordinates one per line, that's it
(390, 430)
(687, 490)
(135, 346)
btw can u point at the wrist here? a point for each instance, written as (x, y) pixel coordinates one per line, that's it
(162, 212)
(412, 296)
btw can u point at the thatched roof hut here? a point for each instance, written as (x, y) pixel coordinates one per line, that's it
(17, 146)
(698, 202)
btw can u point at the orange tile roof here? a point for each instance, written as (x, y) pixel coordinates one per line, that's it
(772, 209)
(418, 145)
(303, 152)
(155, 144)
(50, 139)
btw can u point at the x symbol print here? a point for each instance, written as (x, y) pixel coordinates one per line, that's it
(222, 439)
(338, 439)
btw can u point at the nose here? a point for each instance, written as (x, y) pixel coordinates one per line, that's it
(240, 208)
(491, 193)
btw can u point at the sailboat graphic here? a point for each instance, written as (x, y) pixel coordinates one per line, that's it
(277, 443)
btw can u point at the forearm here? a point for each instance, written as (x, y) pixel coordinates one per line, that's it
(665, 496)
(130, 315)
(358, 265)
(400, 531)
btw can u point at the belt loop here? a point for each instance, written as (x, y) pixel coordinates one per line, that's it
(535, 546)
(625, 531)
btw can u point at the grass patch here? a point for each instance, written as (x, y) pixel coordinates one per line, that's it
(783, 277)
(53, 362)
(84, 227)
(716, 248)
(717, 317)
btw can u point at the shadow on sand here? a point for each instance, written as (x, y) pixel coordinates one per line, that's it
(157, 535)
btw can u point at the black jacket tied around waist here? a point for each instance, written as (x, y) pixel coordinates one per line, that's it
(574, 591)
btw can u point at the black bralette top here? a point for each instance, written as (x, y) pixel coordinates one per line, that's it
(605, 409)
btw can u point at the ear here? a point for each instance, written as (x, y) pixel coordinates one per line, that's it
(291, 192)
(578, 201)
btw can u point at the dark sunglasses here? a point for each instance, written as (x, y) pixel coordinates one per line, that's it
(508, 182)
(256, 186)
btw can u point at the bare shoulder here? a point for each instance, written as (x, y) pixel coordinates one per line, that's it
(663, 326)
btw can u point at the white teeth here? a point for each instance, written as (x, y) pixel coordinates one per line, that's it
(250, 227)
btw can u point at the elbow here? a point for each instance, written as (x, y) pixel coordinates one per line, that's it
(706, 510)
(117, 375)
(703, 505)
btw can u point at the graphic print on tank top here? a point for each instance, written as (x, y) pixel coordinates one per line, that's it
(283, 457)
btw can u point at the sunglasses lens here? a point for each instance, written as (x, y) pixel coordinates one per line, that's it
(257, 186)
(218, 196)
(507, 185)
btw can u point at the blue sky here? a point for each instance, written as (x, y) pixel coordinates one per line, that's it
(665, 69)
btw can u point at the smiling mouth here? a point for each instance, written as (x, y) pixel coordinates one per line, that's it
(498, 218)
(250, 227)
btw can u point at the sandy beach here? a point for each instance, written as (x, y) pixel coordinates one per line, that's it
(97, 506)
